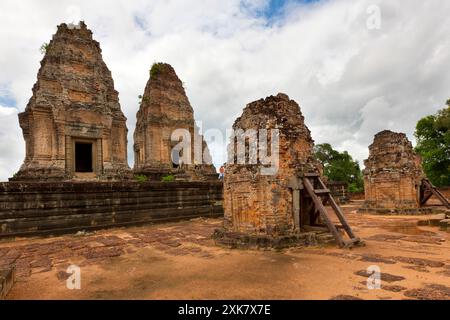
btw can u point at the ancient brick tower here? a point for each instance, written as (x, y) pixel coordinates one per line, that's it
(164, 109)
(263, 204)
(393, 174)
(73, 125)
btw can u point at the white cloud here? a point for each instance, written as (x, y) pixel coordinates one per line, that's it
(12, 146)
(350, 81)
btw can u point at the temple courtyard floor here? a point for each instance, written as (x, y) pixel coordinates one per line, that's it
(181, 261)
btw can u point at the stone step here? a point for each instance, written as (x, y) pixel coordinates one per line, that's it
(433, 221)
(445, 225)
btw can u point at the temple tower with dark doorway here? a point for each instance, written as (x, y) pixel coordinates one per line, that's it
(166, 118)
(73, 124)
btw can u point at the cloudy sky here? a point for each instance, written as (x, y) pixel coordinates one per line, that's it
(352, 73)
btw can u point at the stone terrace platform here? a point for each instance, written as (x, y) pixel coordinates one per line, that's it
(28, 209)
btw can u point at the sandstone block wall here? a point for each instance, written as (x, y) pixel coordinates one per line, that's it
(51, 208)
(339, 190)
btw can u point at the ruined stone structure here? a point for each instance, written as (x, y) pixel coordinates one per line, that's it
(393, 175)
(164, 109)
(282, 207)
(73, 124)
(263, 204)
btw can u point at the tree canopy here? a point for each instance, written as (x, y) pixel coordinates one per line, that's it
(433, 144)
(340, 167)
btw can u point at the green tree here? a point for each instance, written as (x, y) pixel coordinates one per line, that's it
(433, 144)
(340, 167)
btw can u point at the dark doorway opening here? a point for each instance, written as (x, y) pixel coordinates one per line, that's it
(83, 157)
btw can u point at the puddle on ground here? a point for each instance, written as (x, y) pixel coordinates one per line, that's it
(409, 229)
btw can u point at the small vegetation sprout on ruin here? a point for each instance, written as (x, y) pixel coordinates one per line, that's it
(156, 69)
(169, 178)
(43, 49)
(142, 99)
(141, 178)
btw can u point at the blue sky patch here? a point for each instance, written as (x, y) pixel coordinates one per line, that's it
(7, 101)
(275, 8)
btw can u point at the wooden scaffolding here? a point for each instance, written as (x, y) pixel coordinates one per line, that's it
(311, 196)
(427, 190)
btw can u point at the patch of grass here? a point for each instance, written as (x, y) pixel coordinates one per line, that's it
(141, 178)
(169, 178)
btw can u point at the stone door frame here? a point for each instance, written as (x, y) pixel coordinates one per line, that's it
(97, 162)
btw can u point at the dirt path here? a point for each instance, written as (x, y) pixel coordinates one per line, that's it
(180, 261)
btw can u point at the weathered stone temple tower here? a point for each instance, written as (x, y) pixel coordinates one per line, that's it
(164, 111)
(73, 125)
(393, 175)
(273, 204)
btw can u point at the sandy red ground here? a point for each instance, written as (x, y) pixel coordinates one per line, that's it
(180, 261)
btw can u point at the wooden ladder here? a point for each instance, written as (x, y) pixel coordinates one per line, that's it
(321, 195)
(427, 190)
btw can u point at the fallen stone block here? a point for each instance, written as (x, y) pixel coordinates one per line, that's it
(385, 277)
(7, 277)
